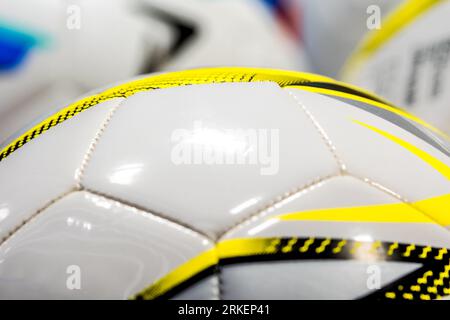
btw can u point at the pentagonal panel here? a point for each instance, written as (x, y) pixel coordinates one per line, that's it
(208, 155)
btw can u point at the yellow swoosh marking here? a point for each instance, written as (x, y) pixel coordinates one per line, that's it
(440, 166)
(437, 208)
(185, 271)
(397, 212)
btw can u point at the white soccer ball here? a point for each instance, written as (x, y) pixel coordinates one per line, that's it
(408, 61)
(226, 183)
(63, 49)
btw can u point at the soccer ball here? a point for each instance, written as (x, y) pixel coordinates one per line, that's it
(228, 183)
(337, 27)
(408, 60)
(57, 51)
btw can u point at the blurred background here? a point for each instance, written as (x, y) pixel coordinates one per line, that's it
(53, 51)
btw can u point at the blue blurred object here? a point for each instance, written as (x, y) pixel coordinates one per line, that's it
(15, 45)
(288, 12)
(271, 3)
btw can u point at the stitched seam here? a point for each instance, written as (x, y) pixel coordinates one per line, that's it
(397, 196)
(328, 142)
(25, 221)
(380, 187)
(149, 211)
(157, 217)
(161, 218)
(275, 203)
(79, 174)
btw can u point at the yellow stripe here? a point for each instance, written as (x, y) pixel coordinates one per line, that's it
(224, 249)
(438, 208)
(393, 213)
(438, 165)
(182, 273)
(400, 18)
(380, 105)
(245, 247)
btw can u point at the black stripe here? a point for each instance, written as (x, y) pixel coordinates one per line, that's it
(344, 89)
(429, 264)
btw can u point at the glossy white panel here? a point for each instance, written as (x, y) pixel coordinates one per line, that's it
(138, 157)
(44, 168)
(307, 280)
(115, 250)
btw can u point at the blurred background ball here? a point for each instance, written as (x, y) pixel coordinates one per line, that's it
(333, 28)
(408, 60)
